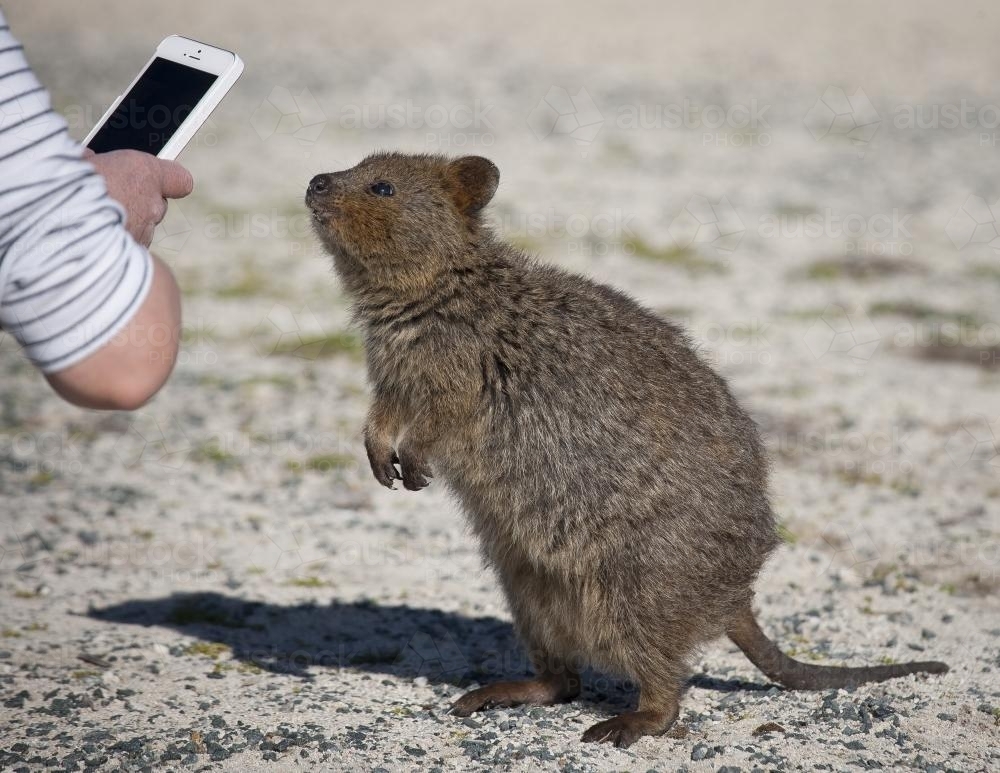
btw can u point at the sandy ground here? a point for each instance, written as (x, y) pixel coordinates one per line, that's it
(217, 582)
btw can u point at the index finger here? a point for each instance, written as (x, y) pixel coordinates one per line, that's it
(175, 181)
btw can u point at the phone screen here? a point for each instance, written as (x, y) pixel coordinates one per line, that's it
(157, 104)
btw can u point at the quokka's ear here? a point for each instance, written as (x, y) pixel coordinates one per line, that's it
(472, 181)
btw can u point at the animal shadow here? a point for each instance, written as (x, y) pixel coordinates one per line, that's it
(399, 640)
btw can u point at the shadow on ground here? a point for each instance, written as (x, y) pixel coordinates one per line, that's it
(443, 647)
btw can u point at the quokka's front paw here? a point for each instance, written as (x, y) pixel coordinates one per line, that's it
(415, 469)
(383, 461)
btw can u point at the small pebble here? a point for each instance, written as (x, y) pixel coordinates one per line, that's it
(701, 752)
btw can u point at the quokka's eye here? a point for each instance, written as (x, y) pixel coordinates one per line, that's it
(382, 188)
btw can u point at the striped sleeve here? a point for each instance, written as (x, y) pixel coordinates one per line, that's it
(71, 277)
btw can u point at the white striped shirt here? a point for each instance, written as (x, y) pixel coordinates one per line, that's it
(71, 277)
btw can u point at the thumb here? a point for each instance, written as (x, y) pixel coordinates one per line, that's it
(175, 181)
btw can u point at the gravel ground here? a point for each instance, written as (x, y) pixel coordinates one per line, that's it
(216, 582)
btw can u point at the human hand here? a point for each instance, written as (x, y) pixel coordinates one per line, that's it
(141, 183)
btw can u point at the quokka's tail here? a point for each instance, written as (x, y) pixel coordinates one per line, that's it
(764, 653)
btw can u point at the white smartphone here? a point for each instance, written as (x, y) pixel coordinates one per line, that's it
(169, 100)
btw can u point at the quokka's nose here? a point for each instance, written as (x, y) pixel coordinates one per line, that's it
(320, 184)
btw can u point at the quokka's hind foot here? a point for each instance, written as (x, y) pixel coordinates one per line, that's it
(537, 692)
(656, 713)
(625, 729)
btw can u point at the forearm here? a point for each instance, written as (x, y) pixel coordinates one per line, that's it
(85, 301)
(128, 370)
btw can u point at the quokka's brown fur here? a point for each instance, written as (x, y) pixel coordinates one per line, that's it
(616, 486)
